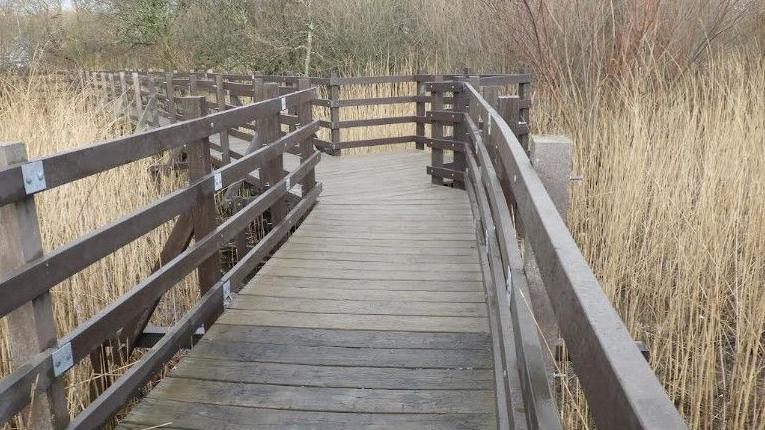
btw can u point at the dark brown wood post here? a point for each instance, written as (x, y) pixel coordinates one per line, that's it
(124, 105)
(31, 327)
(172, 112)
(104, 87)
(269, 131)
(512, 115)
(152, 101)
(334, 114)
(112, 87)
(220, 97)
(524, 118)
(193, 87)
(293, 110)
(437, 132)
(420, 110)
(137, 95)
(305, 116)
(204, 214)
(461, 104)
(257, 90)
(491, 95)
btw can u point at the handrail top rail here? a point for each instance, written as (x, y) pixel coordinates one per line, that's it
(621, 387)
(67, 166)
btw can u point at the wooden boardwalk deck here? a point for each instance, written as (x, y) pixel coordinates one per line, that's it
(371, 315)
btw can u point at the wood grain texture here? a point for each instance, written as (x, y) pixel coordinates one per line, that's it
(372, 316)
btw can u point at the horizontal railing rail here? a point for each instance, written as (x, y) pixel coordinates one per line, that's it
(32, 281)
(258, 86)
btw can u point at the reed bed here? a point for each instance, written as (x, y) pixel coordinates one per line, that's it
(52, 118)
(669, 214)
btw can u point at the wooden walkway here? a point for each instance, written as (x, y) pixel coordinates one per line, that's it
(371, 315)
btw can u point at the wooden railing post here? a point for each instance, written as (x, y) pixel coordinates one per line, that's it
(269, 131)
(137, 95)
(220, 98)
(524, 114)
(113, 88)
(305, 116)
(462, 104)
(491, 95)
(551, 158)
(124, 104)
(193, 87)
(293, 110)
(172, 112)
(420, 111)
(152, 102)
(257, 90)
(104, 88)
(204, 214)
(437, 132)
(31, 327)
(334, 114)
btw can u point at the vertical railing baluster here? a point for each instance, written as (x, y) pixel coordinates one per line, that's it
(334, 114)
(31, 327)
(204, 214)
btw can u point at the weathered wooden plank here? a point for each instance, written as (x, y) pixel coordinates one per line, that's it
(363, 274)
(407, 265)
(295, 253)
(357, 322)
(372, 122)
(366, 307)
(412, 358)
(388, 283)
(376, 101)
(414, 227)
(316, 246)
(366, 80)
(325, 399)
(386, 243)
(346, 338)
(205, 416)
(386, 235)
(424, 294)
(377, 141)
(334, 376)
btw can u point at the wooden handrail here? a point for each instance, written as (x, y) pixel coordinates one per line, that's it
(39, 275)
(90, 334)
(621, 388)
(79, 163)
(242, 85)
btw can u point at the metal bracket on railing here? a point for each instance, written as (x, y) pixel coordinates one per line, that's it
(284, 103)
(218, 179)
(34, 177)
(226, 292)
(63, 359)
(287, 179)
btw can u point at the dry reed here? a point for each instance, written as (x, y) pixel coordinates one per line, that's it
(51, 119)
(669, 214)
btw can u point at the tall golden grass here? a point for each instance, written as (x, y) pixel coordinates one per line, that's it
(670, 215)
(52, 118)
